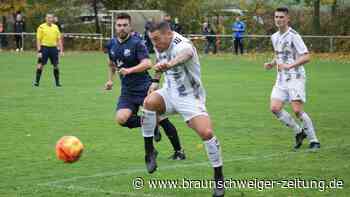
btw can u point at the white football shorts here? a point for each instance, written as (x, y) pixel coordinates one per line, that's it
(187, 106)
(292, 90)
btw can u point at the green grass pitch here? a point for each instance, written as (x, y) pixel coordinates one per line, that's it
(255, 145)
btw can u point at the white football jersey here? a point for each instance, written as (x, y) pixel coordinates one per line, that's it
(184, 79)
(288, 47)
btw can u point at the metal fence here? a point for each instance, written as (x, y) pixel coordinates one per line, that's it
(72, 41)
(261, 43)
(252, 43)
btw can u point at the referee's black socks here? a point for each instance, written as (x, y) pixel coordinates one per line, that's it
(56, 73)
(38, 75)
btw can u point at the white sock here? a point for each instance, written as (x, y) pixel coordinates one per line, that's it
(288, 120)
(214, 152)
(148, 122)
(310, 130)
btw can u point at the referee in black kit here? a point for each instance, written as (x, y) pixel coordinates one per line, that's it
(49, 45)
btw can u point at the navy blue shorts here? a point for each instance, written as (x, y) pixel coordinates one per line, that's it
(130, 102)
(49, 53)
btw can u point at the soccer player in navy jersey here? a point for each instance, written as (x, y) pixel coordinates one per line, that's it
(129, 57)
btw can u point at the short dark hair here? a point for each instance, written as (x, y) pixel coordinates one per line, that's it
(123, 15)
(282, 9)
(162, 25)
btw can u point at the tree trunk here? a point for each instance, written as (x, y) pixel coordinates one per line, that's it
(316, 18)
(334, 10)
(97, 23)
(4, 22)
(346, 24)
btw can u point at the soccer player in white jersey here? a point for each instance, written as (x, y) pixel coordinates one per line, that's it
(182, 93)
(290, 56)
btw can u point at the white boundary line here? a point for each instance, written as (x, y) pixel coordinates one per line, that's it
(138, 170)
(95, 190)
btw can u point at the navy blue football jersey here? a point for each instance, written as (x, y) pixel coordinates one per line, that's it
(126, 54)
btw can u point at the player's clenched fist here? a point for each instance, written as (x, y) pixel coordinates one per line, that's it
(268, 65)
(124, 71)
(109, 85)
(161, 66)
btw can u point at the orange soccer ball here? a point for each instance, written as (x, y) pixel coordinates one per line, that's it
(69, 149)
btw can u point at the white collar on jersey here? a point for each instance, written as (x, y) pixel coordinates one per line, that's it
(281, 34)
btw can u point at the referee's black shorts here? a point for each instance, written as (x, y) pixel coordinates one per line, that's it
(48, 53)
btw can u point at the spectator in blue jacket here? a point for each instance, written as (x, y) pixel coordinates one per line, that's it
(238, 29)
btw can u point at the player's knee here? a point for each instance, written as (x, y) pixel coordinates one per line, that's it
(39, 66)
(275, 109)
(206, 134)
(121, 119)
(150, 103)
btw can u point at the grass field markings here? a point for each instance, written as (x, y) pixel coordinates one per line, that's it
(93, 190)
(142, 170)
(5, 168)
(8, 167)
(58, 183)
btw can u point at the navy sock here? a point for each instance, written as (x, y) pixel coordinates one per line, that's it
(171, 132)
(56, 73)
(149, 148)
(218, 173)
(133, 122)
(38, 75)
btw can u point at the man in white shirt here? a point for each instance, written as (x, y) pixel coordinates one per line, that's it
(182, 93)
(290, 56)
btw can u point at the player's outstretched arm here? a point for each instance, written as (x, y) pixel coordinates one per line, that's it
(145, 64)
